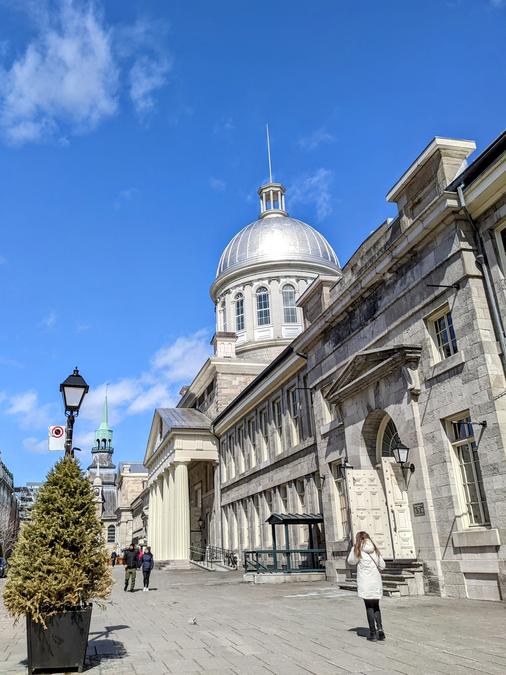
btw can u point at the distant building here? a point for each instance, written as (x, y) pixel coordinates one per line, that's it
(102, 474)
(26, 496)
(131, 481)
(9, 511)
(140, 511)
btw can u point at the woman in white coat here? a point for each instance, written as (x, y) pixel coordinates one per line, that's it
(369, 563)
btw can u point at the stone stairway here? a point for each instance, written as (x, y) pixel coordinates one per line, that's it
(400, 578)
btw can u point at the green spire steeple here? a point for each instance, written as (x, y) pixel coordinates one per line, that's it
(104, 432)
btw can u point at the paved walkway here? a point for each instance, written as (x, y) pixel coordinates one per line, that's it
(291, 628)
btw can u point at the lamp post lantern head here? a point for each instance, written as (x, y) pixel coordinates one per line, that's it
(73, 390)
(400, 452)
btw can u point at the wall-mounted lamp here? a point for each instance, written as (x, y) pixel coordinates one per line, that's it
(201, 523)
(401, 454)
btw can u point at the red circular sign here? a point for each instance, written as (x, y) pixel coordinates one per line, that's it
(57, 432)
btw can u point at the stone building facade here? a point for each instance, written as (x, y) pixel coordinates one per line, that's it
(131, 481)
(9, 511)
(402, 348)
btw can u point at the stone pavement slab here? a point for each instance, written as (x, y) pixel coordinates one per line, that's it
(260, 629)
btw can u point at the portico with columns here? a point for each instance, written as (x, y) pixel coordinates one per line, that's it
(179, 440)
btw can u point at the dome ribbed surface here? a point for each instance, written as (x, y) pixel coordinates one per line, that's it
(276, 238)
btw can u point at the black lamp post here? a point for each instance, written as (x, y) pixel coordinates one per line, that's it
(401, 454)
(73, 390)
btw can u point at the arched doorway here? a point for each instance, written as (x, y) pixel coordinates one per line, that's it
(396, 490)
(378, 493)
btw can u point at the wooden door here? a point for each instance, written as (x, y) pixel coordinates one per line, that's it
(398, 510)
(368, 507)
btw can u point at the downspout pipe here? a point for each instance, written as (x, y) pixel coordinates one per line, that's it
(481, 259)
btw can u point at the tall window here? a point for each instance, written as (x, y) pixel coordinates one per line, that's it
(111, 534)
(231, 458)
(339, 483)
(251, 426)
(473, 494)
(277, 418)
(263, 311)
(501, 245)
(289, 307)
(293, 406)
(240, 449)
(444, 334)
(264, 431)
(300, 488)
(223, 316)
(224, 459)
(239, 312)
(283, 496)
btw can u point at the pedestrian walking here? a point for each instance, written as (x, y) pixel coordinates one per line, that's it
(366, 556)
(148, 562)
(130, 562)
(114, 555)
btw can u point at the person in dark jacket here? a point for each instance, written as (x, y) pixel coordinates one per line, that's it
(130, 562)
(148, 562)
(114, 555)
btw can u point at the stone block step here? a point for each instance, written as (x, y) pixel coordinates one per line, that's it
(388, 591)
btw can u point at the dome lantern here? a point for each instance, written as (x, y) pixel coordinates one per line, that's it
(272, 200)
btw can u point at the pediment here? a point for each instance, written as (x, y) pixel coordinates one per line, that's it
(369, 366)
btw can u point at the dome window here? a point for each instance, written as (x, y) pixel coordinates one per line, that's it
(239, 312)
(289, 306)
(263, 309)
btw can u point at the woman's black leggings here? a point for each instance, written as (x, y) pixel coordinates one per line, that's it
(146, 578)
(372, 607)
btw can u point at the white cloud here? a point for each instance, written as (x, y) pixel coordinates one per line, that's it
(22, 403)
(34, 445)
(70, 76)
(314, 189)
(181, 360)
(314, 140)
(66, 78)
(147, 75)
(217, 184)
(30, 413)
(172, 366)
(49, 321)
(125, 196)
(157, 396)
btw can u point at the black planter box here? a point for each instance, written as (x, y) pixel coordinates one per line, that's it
(62, 646)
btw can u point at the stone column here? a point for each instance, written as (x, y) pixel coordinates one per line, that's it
(182, 512)
(159, 516)
(171, 512)
(152, 516)
(164, 553)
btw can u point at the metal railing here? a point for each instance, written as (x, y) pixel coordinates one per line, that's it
(210, 555)
(266, 561)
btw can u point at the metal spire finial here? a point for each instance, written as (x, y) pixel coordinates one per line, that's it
(269, 153)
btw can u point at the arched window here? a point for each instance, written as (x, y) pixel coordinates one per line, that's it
(263, 311)
(389, 440)
(104, 443)
(239, 312)
(111, 534)
(289, 307)
(223, 317)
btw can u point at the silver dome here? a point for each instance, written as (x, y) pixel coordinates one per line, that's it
(276, 238)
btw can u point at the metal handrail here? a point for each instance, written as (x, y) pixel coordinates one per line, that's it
(287, 561)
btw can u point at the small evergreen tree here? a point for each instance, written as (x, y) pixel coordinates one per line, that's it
(59, 561)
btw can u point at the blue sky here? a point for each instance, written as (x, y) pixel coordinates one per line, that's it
(132, 145)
